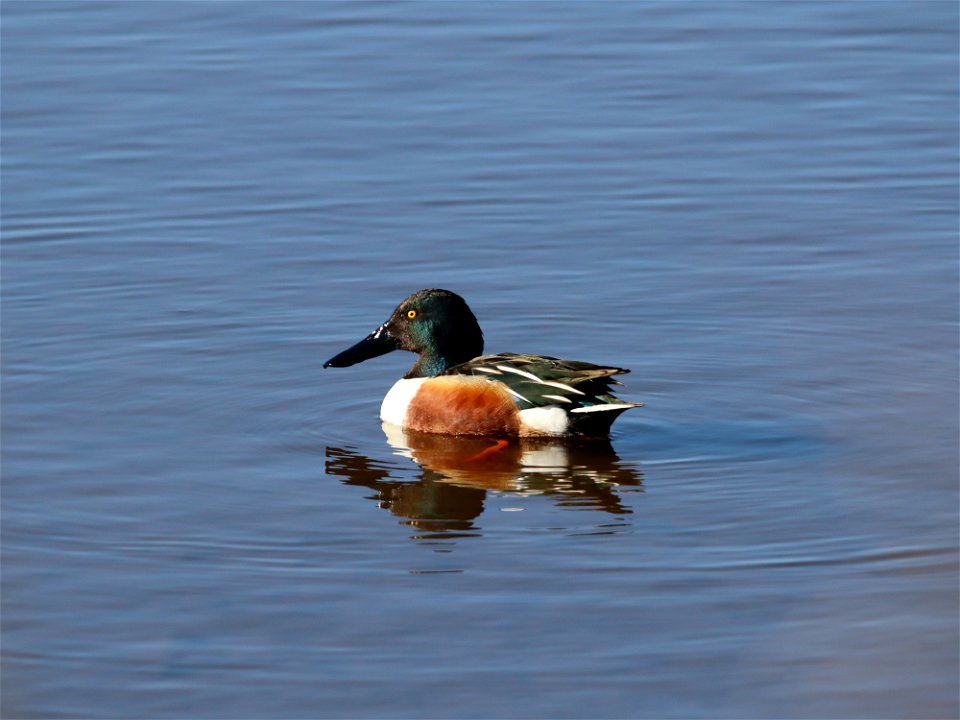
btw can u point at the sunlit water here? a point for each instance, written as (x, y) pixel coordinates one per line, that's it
(752, 206)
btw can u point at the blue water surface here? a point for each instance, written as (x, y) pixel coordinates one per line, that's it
(752, 206)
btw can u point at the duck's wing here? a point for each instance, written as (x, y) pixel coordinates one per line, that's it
(540, 381)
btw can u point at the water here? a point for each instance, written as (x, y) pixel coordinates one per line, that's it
(753, 207)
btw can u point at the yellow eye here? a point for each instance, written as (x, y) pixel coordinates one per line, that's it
(411, 314)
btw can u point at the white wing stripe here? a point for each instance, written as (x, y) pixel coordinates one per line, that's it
(522, 373)
(514, 392)
(561, 386)
(603, 408)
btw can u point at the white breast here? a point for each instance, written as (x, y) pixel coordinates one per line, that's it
(395, 404)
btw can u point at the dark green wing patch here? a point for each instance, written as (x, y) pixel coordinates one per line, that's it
(538, 381)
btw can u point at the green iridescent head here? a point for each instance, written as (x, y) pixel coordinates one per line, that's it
(436, 324)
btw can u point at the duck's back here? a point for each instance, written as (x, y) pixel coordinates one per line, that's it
(552, 396)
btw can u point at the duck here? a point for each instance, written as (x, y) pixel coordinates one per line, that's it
(454, 389)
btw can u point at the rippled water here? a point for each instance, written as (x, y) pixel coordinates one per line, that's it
(753, 207)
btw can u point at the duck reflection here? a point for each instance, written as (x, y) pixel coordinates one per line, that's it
(456, 473)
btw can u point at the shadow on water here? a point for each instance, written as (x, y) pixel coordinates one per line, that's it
(456, 474)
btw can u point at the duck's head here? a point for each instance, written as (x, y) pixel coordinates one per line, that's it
(436, 324)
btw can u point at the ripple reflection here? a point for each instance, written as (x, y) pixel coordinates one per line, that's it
(455, 474)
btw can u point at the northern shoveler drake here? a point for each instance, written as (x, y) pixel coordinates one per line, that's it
(453, 389)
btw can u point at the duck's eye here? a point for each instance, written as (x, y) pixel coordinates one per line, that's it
(411, 314)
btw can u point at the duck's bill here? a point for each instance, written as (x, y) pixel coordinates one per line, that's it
(377, 343)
